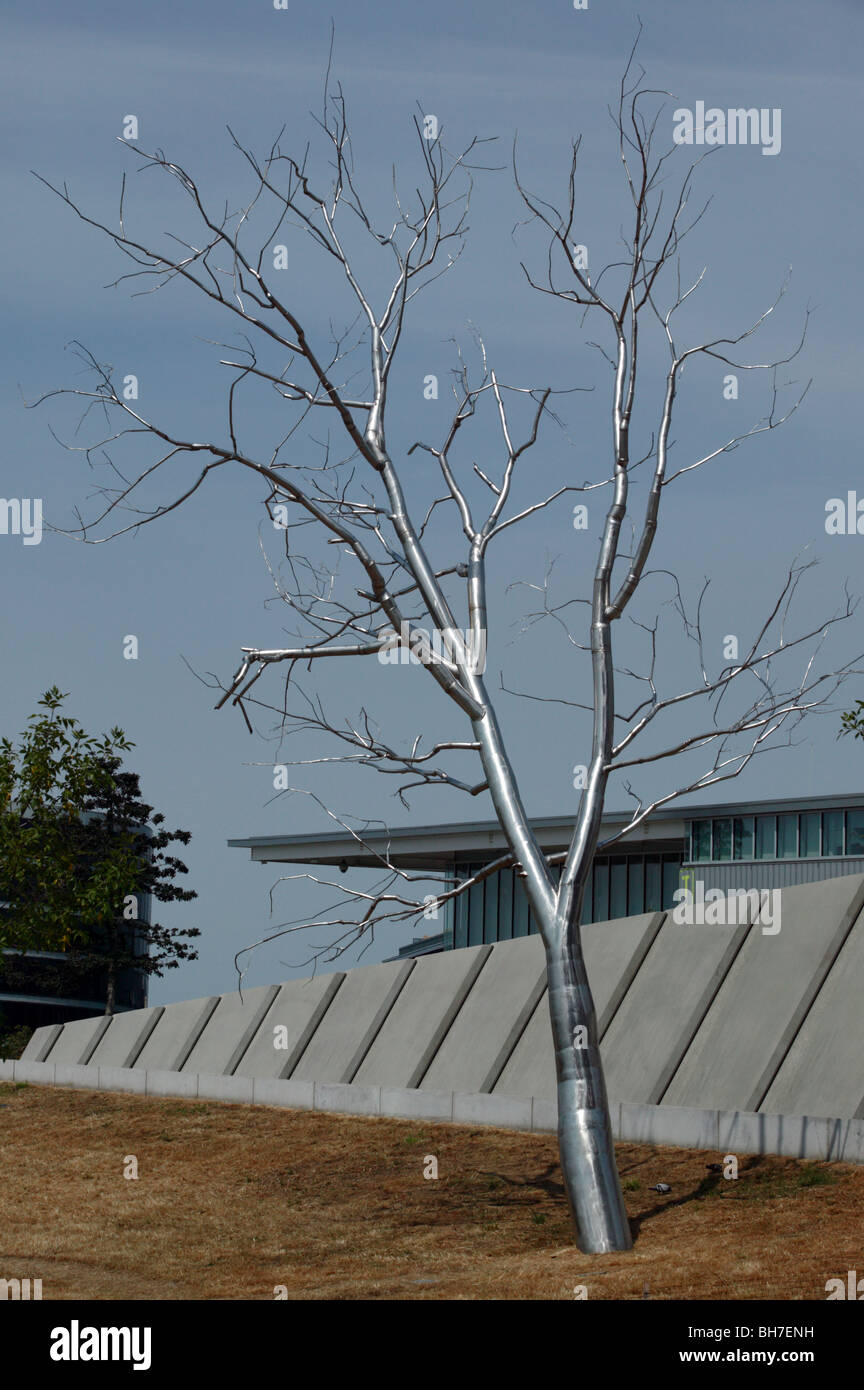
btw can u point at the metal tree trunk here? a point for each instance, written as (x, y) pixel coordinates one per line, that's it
(585, 1138)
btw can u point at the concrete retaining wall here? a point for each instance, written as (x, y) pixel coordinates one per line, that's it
(614, 952)
(825, 1064)
(177, 1030)
(716, 1131)
(665, 1006)
(421, 1017)
(290, 1022)
(764, 998)
(123, 1042)
(229, 1030)
(351, 1024)
(484, 1032)
(77, 1041)
(731, 1018)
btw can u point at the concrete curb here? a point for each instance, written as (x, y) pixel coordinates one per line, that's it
(733, 1131)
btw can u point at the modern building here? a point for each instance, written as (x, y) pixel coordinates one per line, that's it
(47, 998)
(754, 844)
(35, 990)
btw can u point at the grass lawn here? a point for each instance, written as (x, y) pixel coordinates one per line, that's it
(234, 1201)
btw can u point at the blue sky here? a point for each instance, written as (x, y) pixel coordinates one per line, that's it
(193, 587)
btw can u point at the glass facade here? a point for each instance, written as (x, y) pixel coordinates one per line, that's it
(855, 832)
(792, 835)
(811, 845)
(787, 837)
(833, 833)
(701, 839)
(625, 884)
(620, 885)
(743, 837)
(722, 838)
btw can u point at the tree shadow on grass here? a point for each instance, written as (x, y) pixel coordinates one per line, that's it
(541, 1182)
(545, 1182)
(710, 1183)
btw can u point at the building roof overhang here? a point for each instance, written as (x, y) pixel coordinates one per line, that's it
(436, 846)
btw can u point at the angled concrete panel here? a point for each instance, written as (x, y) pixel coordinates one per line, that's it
(229, 1030)
(492, 1019)
(292, 1019)
(613, 953)
(175, 1034)
(41, 1043)
(121, 1043)
(823, 1071)
(665, 1006)
(757, 1011)
(350, 1025)
(530, 1068)
(414, 1028)
(75, 1045)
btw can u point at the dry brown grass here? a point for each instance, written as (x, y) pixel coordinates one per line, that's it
(232, 1201)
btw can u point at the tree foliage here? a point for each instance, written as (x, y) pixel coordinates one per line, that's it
(80, 855)
(853, 721)
(48, 889)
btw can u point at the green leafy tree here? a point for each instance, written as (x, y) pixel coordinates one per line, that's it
(14, 1037)
(111, 854)
(119, 811)
(853, 721)
(48, 889)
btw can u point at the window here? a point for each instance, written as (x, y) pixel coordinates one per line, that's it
(588, 900)
(810, 834)
(490, 909)
(722, 848)
(855, 832)
(618, 888)
(460, 914)
(601, 890)
(832, 832)
(787, 837)
(635, 888)
(653, 886)
(701, 835)
(476, 895)
(766, 837)
(505, 905)
(520, 908)
(671, 879)
(743, 837)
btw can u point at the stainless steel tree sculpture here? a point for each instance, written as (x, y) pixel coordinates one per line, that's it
(375, 586)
